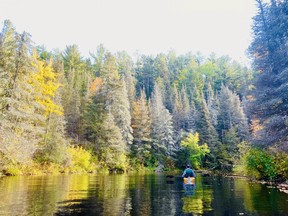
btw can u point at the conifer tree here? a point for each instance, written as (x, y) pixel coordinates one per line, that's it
(162, 127)
(269, 53)
(126, 71)
(71, 93)
(204, 126)
(177, 109)
(46, 84)
(212, 104)
(231, 114)
(117, 101)
(101, 128)
(8, 49)
(98, 58)
(21, 123)
(141, 124)
(186, 109)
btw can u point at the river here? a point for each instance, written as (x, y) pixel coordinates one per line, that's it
(137, 195)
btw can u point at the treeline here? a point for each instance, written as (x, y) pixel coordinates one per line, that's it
(112, 112)
(127, 114)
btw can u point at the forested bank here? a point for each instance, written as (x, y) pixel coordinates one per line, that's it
(62, 112)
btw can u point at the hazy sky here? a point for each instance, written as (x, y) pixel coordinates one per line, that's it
(147, 26)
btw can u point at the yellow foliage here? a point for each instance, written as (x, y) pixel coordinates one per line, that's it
(191, 140)
(45, 83)
(96, 85)
(80, 159)
(12, 170)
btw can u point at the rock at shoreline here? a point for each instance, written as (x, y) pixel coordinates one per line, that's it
(283, 188)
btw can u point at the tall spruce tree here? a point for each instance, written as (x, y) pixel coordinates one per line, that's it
(231, 114)
(141, 124)
(126, 71)
(269, 52)
(117, 97)
(21, 123)
(8, 49)
(204, 126)
(73, 66)
(101, 129)
(162, 127)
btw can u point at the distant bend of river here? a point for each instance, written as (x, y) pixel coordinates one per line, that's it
(125, 194)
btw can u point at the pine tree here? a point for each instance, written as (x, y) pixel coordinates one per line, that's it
(21, 122)
(204, 125)
(269, 52)
(117, 98)
(101, 128)
(186, 110)
(177, 109)
(162, 127)
(231, 114)
(145, 74)
(212, 104)
(98, 58)
(141, 124)
(73, 67)
(126, 71)
(8, 49)
(121, 113)
(162, 70)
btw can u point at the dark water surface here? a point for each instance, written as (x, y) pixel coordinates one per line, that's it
(137, 195)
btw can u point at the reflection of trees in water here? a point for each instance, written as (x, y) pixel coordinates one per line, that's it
(135, 195)
(197, 200)
(30, 195)
(104, 195)
(260, 199)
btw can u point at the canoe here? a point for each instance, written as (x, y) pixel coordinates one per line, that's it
(189, 180)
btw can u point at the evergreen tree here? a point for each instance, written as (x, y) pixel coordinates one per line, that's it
(45, 82)
(162, 128)
(117, 98)
(8, 49)
(231, 114)
(162, 70)
(21, 122)
(186, 110)
(126, 71)
(177, 110)
(146, 75)
(78, 79)
(141, 124)
(204, 126)
(98, 58)
(212, 104)
(101, 129)
(269, 52)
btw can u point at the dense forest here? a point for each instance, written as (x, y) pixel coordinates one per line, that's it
(62, 111)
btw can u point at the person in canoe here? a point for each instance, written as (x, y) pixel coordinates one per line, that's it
(189, 175)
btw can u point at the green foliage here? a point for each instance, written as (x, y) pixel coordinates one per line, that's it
(239, 161)
(281, 160)
(99, 112)
(260, 164)
(195, 151)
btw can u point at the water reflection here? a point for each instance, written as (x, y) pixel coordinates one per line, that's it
(137, 195)
(197, 201)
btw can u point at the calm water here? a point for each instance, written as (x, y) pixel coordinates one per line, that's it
(137, 195)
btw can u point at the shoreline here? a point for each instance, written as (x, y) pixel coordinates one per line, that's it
(282, 187)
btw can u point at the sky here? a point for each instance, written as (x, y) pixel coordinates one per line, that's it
(136, 26)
